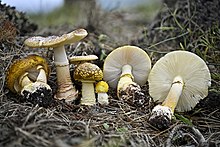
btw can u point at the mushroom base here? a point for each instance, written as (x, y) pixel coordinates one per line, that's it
(161, 117)
(103, 98)
(69, 95)
(38, 93)
(132, 95)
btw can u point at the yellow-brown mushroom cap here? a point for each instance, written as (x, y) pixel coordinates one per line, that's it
(101, 87)
(88, 72)
(21, 66)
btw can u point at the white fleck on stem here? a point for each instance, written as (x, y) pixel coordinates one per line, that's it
(174, 93)
(88, 93)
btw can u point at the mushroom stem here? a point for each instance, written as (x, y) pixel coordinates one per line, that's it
(126, 77)
(126, 70)
(174, 93)
(65, 90)
(161, 115)
(88, 93)
(60, 56)
(42, 77)
(24, 80)
(103, 98)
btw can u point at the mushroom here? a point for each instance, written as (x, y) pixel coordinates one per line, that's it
(65, 89)
(88, 74)
(28, 77)
(179, 80)
(101, 90)
(127, 68)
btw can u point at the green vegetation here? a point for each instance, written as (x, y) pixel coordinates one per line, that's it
(64, 15)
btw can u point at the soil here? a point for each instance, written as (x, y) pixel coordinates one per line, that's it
(188, 25)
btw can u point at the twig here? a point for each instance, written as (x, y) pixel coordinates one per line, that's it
(169, 39)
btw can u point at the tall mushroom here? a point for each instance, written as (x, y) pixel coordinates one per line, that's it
(88, 74)
(28, 77)
(127, 68)
(179, 80)
(65, 90)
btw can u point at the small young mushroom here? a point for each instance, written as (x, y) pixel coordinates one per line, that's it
(127, 68)
(28, 77)
(65, 90)
(101, 89)
(88, 74)
(179, 80)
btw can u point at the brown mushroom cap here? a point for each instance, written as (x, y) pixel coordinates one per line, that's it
(88, 72)
(21, 66)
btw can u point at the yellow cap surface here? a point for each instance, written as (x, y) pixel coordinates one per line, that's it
(101, 87)
(21, 66)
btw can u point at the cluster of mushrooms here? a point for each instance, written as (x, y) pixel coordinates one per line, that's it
(177, 81)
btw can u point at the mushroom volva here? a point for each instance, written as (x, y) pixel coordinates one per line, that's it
(179, 80)
(28, 77)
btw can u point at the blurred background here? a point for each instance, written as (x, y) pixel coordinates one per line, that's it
(111, 16)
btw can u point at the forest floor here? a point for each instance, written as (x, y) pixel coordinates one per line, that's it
(191, 26)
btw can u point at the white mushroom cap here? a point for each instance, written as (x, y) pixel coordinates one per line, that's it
(74, 59)
(134, 56)
(194, 72)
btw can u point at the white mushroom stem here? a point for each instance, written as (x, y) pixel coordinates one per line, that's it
(126, 69)
(42, 76)
(60, 57)
(161, 115)
(126, 78)
(103, 98)
(65, 86)
(24, 80)
(88, 93)
(174, 93)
